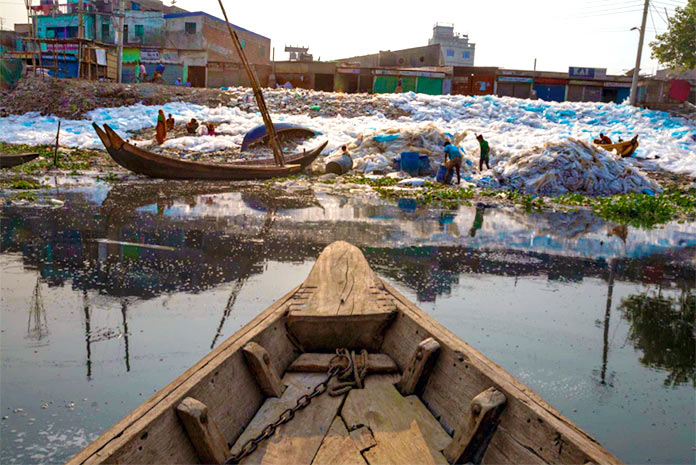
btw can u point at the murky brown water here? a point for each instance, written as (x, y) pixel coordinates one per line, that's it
(106, 299)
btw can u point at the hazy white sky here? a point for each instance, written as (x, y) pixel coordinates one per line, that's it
(507, 33)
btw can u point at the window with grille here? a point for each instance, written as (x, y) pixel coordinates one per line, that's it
(190, 28)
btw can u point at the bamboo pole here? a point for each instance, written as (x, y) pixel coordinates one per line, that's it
(272, 136)
(55, 152)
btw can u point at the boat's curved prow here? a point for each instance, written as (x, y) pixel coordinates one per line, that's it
(102, 135)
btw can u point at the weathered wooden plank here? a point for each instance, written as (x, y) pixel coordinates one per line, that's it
(342, 283)
(402, 427)
(261, 365)
(152, 433)
(316, 333)
(418, 370)
(342, 303)
(504, 450)
(298, 440)
(462, 372)
(202, 431)
(319, 363)
(338, 448)
(473, 434)
(363, 438)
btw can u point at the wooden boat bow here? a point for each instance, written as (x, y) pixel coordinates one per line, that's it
(428, 397)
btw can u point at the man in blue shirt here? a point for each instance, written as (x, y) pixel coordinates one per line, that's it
(453, 160)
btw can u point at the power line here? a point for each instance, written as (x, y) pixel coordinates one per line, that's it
(609, 6)
(609, 14)
(659, 15)
(610, 9)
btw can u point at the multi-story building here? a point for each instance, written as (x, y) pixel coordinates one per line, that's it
(205, 48)
(192, 46)
(456, 49)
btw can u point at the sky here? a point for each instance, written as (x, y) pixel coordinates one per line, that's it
(507, 33)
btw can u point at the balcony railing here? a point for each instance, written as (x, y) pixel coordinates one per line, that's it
(54, 9)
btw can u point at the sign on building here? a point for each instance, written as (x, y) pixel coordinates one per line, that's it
(149, 54)
(587, 73)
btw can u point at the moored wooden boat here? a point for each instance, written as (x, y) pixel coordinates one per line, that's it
(9, 160)
(284, 130)
(158, 166)
(419, 394)
(625, 149)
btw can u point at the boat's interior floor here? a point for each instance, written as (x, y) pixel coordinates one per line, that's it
(373, 425)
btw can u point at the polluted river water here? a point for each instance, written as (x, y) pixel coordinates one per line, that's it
(111, 294)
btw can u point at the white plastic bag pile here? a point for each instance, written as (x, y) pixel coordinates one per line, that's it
(375, 150)
(572, 166)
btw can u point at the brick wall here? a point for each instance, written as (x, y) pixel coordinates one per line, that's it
(220, 47)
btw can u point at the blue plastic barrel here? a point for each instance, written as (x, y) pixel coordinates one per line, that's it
(424, 167)
(441, 172)
(410, 162)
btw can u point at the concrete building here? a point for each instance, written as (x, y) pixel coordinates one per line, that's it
(417, 57)
(456, 49)
(201, 44)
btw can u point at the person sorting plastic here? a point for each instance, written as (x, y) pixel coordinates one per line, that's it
(453, 160)
(485, 151)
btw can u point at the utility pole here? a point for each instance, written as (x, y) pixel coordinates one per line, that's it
(531, 84)
(80, 35)
(634, 85)
(32, 36)
(119, 40)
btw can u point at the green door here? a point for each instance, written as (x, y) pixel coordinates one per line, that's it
(432, 86)
(409, 84)
(384, 84)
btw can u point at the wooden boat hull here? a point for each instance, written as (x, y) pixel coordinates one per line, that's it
(343, 303)
(284, 130)
(625, 149)
(157, 166)
(16, 159)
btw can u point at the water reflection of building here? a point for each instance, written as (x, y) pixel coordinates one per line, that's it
(126, 250)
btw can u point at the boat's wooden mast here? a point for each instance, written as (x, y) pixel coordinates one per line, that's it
(272, 136)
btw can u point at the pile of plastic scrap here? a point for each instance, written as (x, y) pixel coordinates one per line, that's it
(559, 168)
(375, 151)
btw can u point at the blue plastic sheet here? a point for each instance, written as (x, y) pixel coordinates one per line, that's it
(385, 137)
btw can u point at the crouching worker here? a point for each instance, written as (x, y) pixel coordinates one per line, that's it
(485, 150)
(191, 126)
(453, 160)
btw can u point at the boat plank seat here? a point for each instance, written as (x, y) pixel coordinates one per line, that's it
(403, 428)
(319, 363)
(342, 303)
(338, 447)
(297, 441)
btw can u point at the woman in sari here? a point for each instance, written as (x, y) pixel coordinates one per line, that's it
(161, 127)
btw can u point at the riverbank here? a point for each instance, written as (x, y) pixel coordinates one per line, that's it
(34, 180)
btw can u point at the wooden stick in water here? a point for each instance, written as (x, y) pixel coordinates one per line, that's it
(272, 136)
(55, 152)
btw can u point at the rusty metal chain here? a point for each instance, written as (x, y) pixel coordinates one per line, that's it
(342, 367)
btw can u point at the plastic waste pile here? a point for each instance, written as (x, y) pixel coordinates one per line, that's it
(374, 151)
(572, 166)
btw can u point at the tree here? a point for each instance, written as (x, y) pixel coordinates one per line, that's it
(676, 48)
